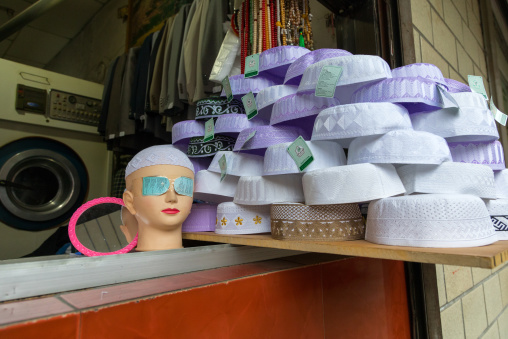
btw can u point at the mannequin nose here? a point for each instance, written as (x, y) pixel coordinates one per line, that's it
(171, 195)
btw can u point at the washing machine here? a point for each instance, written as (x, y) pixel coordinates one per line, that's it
(52, 158)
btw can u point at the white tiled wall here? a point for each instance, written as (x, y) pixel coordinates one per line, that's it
(448, 33)
(473, 301)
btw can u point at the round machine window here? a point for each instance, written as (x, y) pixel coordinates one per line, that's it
(42, 183)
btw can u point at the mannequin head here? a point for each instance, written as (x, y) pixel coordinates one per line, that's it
(159, 183)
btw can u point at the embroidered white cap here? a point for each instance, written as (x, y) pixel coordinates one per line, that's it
(449, 177)
(351, 184)
(242, 219)
(357, 71)
(325, 153)
(346, 122)
(268, 96)
(292, 221)
(259, 190)
(430, 220)
(209, 188)
(399, 147)
(239, 164)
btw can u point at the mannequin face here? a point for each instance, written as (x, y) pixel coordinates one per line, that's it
(164, 212)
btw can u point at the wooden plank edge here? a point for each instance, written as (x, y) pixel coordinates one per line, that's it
(489, 256)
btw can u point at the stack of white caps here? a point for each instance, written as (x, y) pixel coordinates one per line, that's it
(242, 219)
(346, 122)
(471, 121)
(430, 220)
(268, 96)
(326, 154)
(485, 153)
(357, 71)
(238, 164)
(351, 184)
(322, 222)
(449, 177)
(209, 188)
(399, 147)
(265, 190)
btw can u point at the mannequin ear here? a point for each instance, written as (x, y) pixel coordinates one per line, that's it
(128, 236)
(128, 200)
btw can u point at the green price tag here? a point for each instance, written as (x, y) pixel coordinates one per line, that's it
(476, 84)
(446, 98)
(251, 65)
(301, 154)
(227, 88)
(223, 167)
(498, 115)
(327, 81)
(249, 103)
(209, 130)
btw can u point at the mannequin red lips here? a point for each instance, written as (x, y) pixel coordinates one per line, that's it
(171, 211)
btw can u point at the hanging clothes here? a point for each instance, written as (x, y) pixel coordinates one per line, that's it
(170, 103)
(127, 126)
(138, 94)
(182, 82)
(106, 93)
(114, 100)
(155, 86)
(210, 42)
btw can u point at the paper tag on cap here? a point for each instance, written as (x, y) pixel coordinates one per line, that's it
(327, 81)
(249, 103)
(498, 115)
(251, 65)
(476, 84)
(223, 167)
(301, 153)
(227, 88)
(111, 136)
(209, 130)
(121, 134)
(446, 98)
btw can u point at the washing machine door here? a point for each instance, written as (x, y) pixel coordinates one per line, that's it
(42, 182)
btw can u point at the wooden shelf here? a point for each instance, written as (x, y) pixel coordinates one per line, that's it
(484, 256)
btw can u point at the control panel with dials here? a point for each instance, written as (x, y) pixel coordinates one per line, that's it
(74, 108)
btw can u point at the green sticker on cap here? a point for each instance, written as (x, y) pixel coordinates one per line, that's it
(327, 81)
(223, 167)
(209, 130)
(251, 65)
(227, 88)
(476, 84)
(249, 103)
(301, 153)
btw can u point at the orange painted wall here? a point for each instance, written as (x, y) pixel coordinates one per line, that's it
(352, 298)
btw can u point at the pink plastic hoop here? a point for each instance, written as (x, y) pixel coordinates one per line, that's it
(72, 228)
